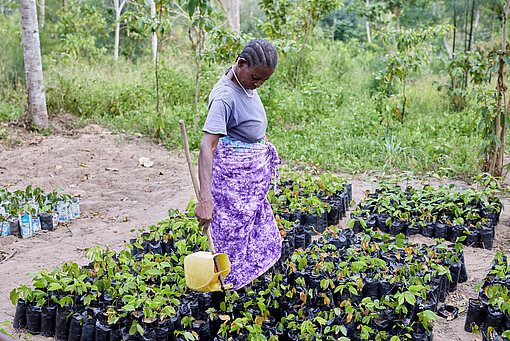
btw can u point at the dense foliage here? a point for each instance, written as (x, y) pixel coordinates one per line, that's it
(469, 216)
(338, 287)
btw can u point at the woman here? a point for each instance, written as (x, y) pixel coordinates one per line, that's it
(235, 166)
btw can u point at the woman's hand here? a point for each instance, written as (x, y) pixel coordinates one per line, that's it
(204, 210)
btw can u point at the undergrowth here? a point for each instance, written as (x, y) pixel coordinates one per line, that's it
(330, 119)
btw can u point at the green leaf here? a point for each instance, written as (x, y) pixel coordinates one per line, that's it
(54, 286)
(129, 307)
(14, 296)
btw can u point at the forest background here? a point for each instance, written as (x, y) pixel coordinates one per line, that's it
(361, 85)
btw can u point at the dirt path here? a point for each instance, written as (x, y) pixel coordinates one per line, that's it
(118, 195)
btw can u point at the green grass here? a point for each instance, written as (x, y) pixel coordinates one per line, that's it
(329, 119)
(350, 136)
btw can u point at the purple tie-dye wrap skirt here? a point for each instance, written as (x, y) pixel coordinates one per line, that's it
(243, 224)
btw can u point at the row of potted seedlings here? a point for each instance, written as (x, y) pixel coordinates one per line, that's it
(25, 212)
(490, 311)
(469, 216)
(311, 201)
(341, 287)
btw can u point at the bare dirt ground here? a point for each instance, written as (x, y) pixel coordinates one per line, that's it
(118, 194)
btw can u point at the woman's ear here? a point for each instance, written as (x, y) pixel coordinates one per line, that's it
(241, 62)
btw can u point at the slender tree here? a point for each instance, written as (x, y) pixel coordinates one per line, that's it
(118, 10)
(236, 22)
(33, 66)
(471, 25)
(154, 36)
(496, 165)
(42, 12)
(367, 24)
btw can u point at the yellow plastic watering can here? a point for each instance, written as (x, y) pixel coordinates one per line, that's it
(204, 271)
(200, 272)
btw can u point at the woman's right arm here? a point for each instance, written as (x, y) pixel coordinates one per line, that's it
(204, 210)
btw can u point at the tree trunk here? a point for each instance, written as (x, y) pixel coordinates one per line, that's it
(471, 25)
(477, 17)
(197, 79)
(303, 49)
(502, 110)
(159, 118)
(447, 47)
(465, 27)
(33, 66)
(197, 47)
(118, 10)
(42, 12)
(397, 19)
(369, 37)
(154, 41)
(454, 28)
(234, 16)
(237, 21)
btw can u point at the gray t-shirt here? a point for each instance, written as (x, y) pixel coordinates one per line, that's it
(233, 114)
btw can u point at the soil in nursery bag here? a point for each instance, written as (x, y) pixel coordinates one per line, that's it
(20, 316)
(48, 315)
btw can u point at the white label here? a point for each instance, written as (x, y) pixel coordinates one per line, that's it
(55, 219)
(6, 228)
(25, 224)
(62, 211)
(36, 224)
(75, 208)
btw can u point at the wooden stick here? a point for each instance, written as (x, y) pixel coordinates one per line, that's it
(9, 257)
(188, 158)
(197, 193)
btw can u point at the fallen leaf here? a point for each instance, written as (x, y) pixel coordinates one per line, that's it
(112, 182)
(85, 150)
(115, 231)
(125, 220)
(85, 178)
(95, 214)
(84, 165)
(145, 161)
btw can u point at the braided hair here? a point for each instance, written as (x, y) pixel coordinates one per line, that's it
(259, 52)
